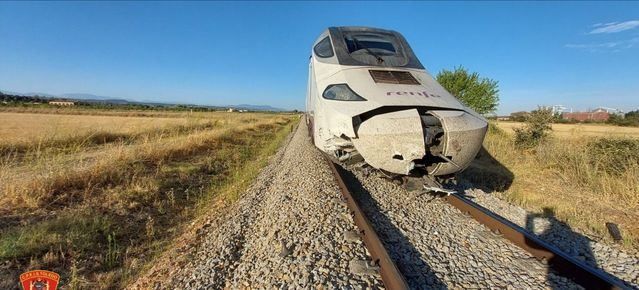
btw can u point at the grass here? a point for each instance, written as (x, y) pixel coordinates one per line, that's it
(79, 232)
(91, 111)
(587, 180)
(98, 214)
(578, 131)
(27, 133)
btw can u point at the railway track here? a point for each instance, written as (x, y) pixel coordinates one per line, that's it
(560, 262)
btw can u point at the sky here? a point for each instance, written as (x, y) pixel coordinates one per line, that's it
(578, 54)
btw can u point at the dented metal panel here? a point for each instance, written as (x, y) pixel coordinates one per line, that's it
(464, 134)
(392, 141)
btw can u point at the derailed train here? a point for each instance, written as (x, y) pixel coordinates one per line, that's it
(369, 98)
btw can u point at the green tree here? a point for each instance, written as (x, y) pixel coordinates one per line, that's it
(480, 94)
(634, 115)
(630, 119)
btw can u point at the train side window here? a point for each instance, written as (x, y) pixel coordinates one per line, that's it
(324, 48)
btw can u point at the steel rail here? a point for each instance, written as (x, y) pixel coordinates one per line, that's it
(391, 276)
(565, 265)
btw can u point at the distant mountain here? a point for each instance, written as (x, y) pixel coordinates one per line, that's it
(256, 107)
(41, 95)
(84, 96)
(105, 99)
(28, 94)
(95, 99)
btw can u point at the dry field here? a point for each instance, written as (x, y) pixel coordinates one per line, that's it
(96, 197)
(80, 111)
(33, 128)
(586, 175)
(580, 130)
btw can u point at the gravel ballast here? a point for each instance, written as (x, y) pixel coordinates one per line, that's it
(289, 230)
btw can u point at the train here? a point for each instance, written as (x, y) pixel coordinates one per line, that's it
(369, 99)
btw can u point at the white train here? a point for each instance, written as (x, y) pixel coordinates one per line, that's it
(370, 98)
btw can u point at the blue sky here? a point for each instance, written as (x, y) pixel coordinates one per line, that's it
(581, 55)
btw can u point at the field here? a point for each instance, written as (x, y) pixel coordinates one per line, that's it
(29, 128)
(581, 130)
(586, 175)
(96, 195)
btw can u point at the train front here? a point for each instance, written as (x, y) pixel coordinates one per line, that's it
(370, 98)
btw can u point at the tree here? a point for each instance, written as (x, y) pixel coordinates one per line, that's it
(630, 119)
(632, 115)
(480, 94)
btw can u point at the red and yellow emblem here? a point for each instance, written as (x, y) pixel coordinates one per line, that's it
(39, 280)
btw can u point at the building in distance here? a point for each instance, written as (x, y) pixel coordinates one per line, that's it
(61, 103)
(595, 115)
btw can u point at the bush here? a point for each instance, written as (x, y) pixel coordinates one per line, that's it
(494, 129)
(566, 121)
(613, 155)
(630, 119)
(518, 118)
(536, 129)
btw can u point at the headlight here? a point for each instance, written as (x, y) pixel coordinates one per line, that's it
(341, 92)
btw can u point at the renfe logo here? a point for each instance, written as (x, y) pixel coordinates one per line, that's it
(424, 93)
(39, 280)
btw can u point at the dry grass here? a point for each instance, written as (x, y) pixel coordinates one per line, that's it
(30, 127)
(576, 131)
(29, 132)
(98, 213)
(584, 183)
(87, 111)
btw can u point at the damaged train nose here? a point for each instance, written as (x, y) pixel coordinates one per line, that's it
(391, 141)
(438, 142)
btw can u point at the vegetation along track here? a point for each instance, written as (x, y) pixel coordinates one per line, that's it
(432, 252)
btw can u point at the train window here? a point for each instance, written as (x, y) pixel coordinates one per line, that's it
(378, 49)
(324, 48)
(363, 46)
(374, 43)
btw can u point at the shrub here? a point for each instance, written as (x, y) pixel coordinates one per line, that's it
(613, 155)
(494, 129)
(566, 121)
(536, 129)
(630, 119)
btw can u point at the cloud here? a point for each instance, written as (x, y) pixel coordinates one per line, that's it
(614, 46)
(604, 24)
(614, 27)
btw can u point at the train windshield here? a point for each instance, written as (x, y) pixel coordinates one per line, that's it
(372, 47)
(370, 43)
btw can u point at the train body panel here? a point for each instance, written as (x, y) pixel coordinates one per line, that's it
(369, 96)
